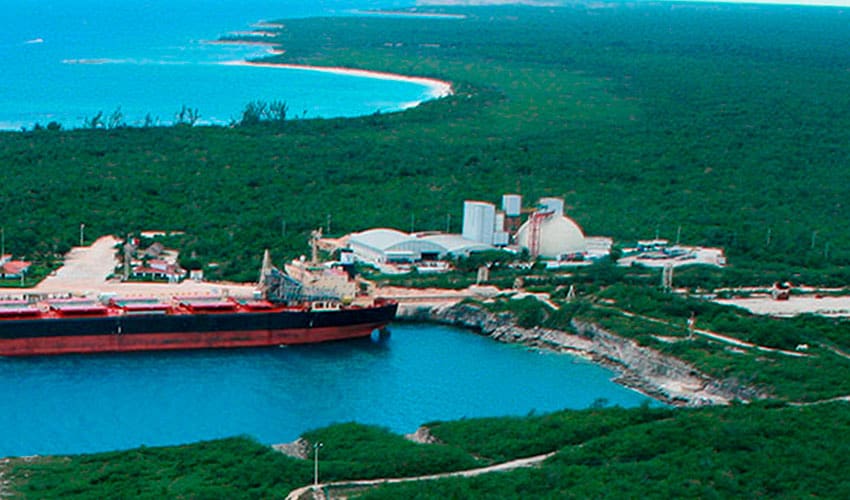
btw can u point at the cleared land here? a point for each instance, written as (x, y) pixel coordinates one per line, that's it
(86, 271)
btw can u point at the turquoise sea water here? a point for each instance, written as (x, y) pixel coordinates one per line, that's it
(66, 60)
(86, 403)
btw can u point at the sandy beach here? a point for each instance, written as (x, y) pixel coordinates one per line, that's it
(437, 88)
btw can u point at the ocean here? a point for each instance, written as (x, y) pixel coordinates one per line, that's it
(88, 403)
(68, 60)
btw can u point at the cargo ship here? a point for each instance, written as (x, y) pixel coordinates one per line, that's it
(284, 313)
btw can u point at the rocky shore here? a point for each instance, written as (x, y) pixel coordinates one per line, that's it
(658, 375)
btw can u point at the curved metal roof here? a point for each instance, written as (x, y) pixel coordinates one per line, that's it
(456, 244)
(379, 239)
(392, 240)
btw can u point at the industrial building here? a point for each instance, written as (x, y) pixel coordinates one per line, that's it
(550, 234)
(385, 246)
(547, 233)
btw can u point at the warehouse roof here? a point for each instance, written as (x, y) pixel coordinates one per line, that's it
(455, 244)
(392, 240)
(379, 239)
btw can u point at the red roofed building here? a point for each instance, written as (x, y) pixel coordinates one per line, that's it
(160, 269)
(14, 268)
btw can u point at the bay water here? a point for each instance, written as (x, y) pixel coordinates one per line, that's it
(87, 403)
(67, 60)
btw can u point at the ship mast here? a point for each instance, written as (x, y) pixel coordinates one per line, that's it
(315, 236)
(266, 268)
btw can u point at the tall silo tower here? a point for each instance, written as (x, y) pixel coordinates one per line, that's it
(479, 221)
(512, 206)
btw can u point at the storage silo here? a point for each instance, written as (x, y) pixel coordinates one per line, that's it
(555, 205)
(512, 205)
(554, 237)
(479, 221)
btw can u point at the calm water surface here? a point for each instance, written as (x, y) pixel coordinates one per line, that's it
(153, 57)
(74, 404)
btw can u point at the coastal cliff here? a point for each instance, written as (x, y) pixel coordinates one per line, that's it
(661, 376)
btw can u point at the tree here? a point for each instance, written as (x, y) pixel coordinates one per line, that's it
(187, 116)
(277, 111)
(94, 122)
(254, 112)
(116, 119)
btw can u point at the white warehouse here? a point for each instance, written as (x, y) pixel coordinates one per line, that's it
(385, 245)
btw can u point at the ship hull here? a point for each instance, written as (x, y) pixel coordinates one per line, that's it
(187, 331)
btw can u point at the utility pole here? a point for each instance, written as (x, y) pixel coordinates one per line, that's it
(448, 223)
(814, 235)
(316, 464)
(767, 243)
(667, 278)
(82, 234)
(2, 242)
(412, 222)
(328, 227)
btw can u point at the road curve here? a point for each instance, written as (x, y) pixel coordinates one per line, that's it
(519, 463)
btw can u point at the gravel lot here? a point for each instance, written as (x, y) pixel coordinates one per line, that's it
(86, 270)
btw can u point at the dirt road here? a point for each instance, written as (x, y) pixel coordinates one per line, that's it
(86, 271)
(318, 491)
(824, 306)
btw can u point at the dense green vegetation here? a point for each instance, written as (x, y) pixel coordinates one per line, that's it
(754, 451)
(230, 468)
(726, 121)
(739, 451)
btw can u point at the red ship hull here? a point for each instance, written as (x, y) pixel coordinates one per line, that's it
(111, 333)
(171, 341)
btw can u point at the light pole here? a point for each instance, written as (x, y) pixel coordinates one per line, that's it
(82, 233)
(316, 464)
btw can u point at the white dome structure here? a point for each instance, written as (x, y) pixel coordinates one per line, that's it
(558, 236)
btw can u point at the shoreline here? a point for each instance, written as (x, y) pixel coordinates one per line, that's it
(408, 13)
(661, 377)
(437, 88)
